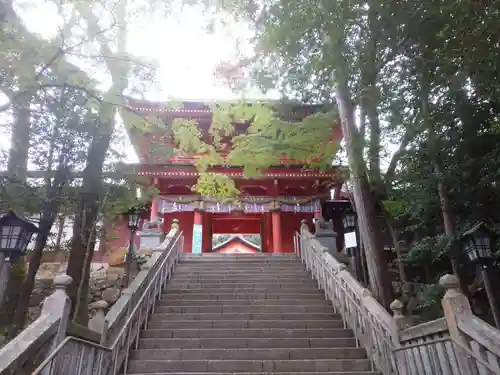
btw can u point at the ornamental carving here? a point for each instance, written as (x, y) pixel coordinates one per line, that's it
(248, 205)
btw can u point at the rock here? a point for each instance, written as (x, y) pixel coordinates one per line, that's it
(100, 274)
(111, 295)
(117, 257)
(145, 252)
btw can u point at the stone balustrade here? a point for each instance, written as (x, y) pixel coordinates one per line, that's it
(457, 344)
(21, 355)
(47, 347)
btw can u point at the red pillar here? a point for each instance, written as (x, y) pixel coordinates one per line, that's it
(198, 218)
(154, 209)
(197, 247)
(154, 203)
(336, 192)
(277, 237)
(207, 237)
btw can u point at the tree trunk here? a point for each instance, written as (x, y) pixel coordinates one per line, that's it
(17, 167)
(380, 284)
(60, 231)
(371, 97)
(84, 236)
(47, 219)
(444, 199)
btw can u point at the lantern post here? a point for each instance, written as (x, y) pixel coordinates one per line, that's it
(15, 235)
(349, 220)
(133, 219)
(477, 246)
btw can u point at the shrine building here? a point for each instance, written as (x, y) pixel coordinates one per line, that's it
(272, 205)
(236, 245)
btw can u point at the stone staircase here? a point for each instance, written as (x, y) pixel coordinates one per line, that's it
(253, 314)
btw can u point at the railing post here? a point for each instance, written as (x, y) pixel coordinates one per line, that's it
(400, 321)
(399, 360)
(455, 303)
(96, 324)
(304, 234)
(59, 304)
(175, 224)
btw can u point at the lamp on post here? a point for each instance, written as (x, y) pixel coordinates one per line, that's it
(477, 246)
(349, 220)
(15, 235)
(133, 219)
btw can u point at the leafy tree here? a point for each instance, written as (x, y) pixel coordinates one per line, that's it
(255, 136)
(411, 70)
(96, 33)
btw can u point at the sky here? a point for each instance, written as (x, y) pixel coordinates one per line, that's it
(185, 52)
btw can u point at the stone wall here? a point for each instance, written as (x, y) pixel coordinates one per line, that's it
(105, 284)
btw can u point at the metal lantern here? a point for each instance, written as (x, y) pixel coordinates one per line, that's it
(477, 244)
(349, 220)
(133, 219)
(15, 234)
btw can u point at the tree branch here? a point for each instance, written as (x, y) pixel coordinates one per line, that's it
(410, 133)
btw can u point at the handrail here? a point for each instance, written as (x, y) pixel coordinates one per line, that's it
(458, 344)
(95, 359)
(62, 345)
(116, 316)
(21, 350)
(371, 323)
(131, 317)
(34, 342)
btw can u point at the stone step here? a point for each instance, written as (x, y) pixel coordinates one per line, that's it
(244, 261)
(184, 269)
(243, 271)
(157, 323)
(247, 354)
(235, 343)
(216, 296)
(267, 373)
(252, 281)
(168, 301)
(242, 285)
(224, 333)
(247, 276)
(249, 309)
(244, 264)
(222, 257)
(240, 267)
(242, 289)
(235, 366)
(245, 316)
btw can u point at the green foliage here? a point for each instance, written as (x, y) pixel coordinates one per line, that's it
(254, 136)
(216, 185)
(385, 55)
(20, 271)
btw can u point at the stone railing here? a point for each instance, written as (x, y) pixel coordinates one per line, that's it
(21, 355)
(119, 328)
(113, 322)
(458, 344)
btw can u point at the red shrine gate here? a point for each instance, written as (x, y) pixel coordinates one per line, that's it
(272, 205)
(274, 218)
